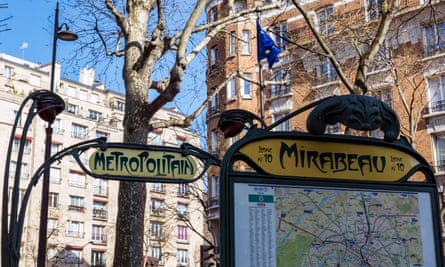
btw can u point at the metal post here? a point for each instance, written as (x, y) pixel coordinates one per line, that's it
(43, 229)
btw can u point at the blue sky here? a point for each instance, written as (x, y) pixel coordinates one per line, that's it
(31, 24)
(31, 36)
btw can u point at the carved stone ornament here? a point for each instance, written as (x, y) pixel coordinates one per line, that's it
(358, 112)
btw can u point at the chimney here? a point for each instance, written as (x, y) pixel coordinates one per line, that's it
(86, 76)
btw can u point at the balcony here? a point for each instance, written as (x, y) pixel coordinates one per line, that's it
(75, 234)
(101, 191)
(76, 208)
(436, 106)
(100, 213)
(213, 111)
(99, 240)
(439, 166)
(158, 212)
(213, 202)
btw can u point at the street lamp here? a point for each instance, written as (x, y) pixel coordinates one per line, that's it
(66, 35)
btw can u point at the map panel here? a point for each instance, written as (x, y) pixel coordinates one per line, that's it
(314, 226)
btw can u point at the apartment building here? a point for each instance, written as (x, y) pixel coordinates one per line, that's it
(408, 72)
(82, 209)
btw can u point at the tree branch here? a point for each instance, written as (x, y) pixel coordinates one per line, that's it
(120, 18)
(325, 47)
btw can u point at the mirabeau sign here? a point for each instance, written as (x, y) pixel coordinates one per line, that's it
(324, 159)
(125, 162)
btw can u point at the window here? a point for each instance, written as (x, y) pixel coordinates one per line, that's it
(98, 233)
(156, 230)
(57, 126)
(102, 134)
(73, 256)
(180, 139)
(157, 187)
(74, 229)
(83, 95)
(157, 207)
(182, 233)
(246, 86)
(53, 200)
(72, 108)
(246, 44)
(214, 105)
(21, 121)
(120, 105)
(215, 187)
(76, 203)
(71, 91)
(183, 189)
(156, 252)
(98, 258)
(182, 210)
(384, 95)
(240, 5)
(34, 80)
(16, 144)
(95, 115)
(78, 131)
(52, 226)
(155, 138)
(324, 17)
(232, 44)
(100, 187)
(76, 179)
(231, 89)
(380, 61)
(94, 98)
(8, 72)
(21, 194)
(284, 126)
(436, 91)
(213, 14)
(434, 38)
(280, 84)
(281, 35)
(24, 170)
(54, 175)
(56, 147)
(182, 256)
(99, 209)
(214, 141)
(213, 58)
(373, 9)
(324, 71)
(439, 147)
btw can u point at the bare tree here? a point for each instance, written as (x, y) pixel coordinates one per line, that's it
(4, 20)
(157, 42)
(357, 50)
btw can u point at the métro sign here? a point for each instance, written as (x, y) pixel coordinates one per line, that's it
(144, 164)
(328, 200)
(329, 159)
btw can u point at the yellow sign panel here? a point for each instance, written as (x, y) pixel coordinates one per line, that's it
(321, 159)
(142, 163)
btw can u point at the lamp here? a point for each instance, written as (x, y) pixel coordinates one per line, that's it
(66, 35)
(233, 121)
(49, 115)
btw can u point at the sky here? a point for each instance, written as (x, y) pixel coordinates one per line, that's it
(31, 31)
(30, 38)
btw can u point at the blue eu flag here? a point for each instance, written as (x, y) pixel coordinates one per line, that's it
(266, 46)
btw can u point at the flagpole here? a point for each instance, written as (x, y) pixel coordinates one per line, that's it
(266, 48)
(260, 72)
(260, 78)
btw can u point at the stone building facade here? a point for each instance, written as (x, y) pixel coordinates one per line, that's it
(82, 209)
(407, 72)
